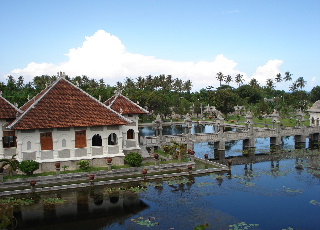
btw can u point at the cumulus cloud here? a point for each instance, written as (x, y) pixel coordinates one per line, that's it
(267, 71)
(104, 56)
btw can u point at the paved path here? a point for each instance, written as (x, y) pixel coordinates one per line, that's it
(104, 177)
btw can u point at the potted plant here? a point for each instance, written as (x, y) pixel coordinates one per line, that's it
(109, 160)
(191, 152)
(57, 164)
(91, 177)
(33, 183)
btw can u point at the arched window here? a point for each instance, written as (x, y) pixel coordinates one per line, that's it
(28, 145)
(130, 134)
(63, 143)
(112, 139)
(96, 140)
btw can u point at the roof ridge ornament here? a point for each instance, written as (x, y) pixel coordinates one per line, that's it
(61, 74)
(117, 91)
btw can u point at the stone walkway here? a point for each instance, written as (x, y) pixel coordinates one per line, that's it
(103, 177)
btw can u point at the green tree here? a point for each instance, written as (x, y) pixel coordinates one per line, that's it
(29, 166)
(315, 94)
(225, 100)
(220, 77)
(270, 84)
(133, 159)
(254, 83)
(250, 94)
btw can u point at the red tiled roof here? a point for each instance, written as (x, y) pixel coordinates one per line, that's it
(63, 104)
(124, 105)
(7, 110)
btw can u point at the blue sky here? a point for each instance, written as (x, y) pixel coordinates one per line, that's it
(187, 39)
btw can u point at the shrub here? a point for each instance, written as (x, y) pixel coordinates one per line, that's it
(84, 164)
(133, 159)
(29, 166)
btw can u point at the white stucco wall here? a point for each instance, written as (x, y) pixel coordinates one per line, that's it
(67, 137)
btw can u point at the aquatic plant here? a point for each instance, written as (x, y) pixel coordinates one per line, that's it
(149, 222)
(16, 202)
(242, 225)
(202, 226)
(48, 201)
(314, 202)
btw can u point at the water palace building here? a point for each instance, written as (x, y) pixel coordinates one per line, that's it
(63, 123)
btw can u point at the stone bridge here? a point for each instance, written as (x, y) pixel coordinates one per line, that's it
(247, 133)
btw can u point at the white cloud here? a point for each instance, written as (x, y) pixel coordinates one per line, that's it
(104, 56)
(267, 71)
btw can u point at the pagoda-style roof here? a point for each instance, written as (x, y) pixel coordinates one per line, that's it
(7, 110)
(315, 108)
(62, 104)
(124, 105)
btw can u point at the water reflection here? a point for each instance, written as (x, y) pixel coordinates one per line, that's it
(185, 202)
(92, 207)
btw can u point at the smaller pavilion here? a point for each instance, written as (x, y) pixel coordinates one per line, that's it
(314, 112)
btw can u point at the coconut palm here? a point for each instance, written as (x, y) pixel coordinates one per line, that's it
(239, 79)
(220, 77)
(287, 76)
(228, 79)
(278, 77)
(270, 84)
(301, 83)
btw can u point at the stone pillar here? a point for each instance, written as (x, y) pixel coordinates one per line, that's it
(38, 153)
(188, 123)
(249, 143)
(136, 137)
(277, 140)
(124, 140)
(314, 141)
(300, 141)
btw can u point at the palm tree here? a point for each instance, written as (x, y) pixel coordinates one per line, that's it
(228, 79)
(293, 87)
(220, 77)
(239, 79)
(270, 84)
(301, 83)
(287, 76)
(278, 77)
(13, 164)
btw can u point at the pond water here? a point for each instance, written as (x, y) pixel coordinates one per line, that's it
(272, 195)
(269, 195)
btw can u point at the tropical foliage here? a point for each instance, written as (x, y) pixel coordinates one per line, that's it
(163, 94)
(134, 159)
(29, 166)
